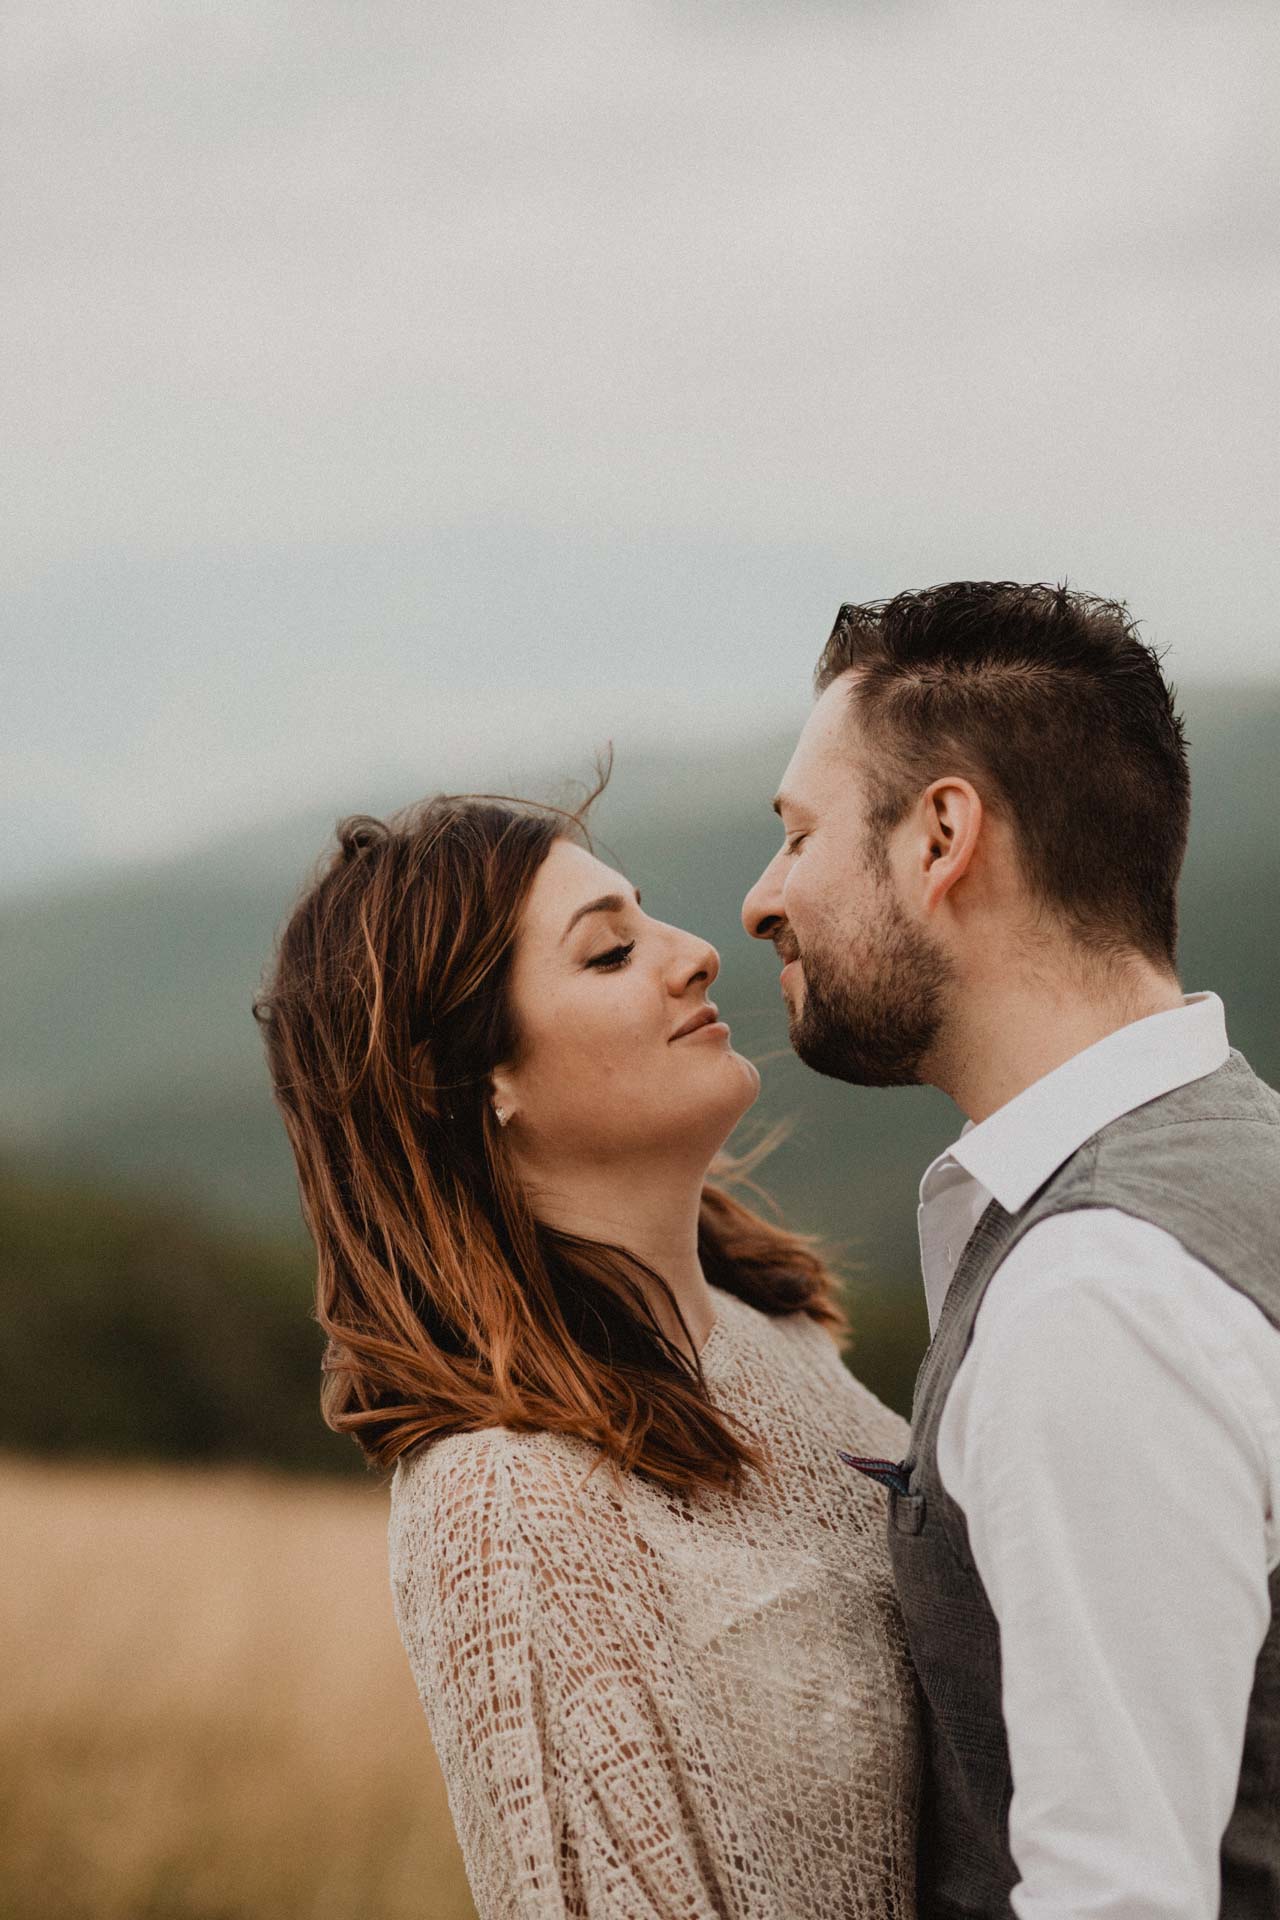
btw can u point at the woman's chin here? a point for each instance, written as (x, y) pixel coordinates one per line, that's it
(746, 1086)
(718, 1112)
(751, 1074)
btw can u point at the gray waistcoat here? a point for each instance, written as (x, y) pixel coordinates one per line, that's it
(1202, 1162)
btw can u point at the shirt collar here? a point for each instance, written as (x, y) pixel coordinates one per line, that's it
(1016, 1149)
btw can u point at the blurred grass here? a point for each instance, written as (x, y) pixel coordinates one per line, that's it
(207, 1713)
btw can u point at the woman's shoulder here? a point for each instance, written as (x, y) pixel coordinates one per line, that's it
(467, 1494)
(487, 1469)
(534, 1526)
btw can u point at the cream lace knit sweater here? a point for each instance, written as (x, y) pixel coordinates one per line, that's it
(650, 1707)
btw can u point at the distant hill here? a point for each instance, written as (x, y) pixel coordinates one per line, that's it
(129, 1054)
(133, 1330)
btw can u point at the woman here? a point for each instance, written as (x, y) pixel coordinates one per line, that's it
(647, 1607)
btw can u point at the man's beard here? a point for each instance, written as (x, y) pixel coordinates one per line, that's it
(872, 1020)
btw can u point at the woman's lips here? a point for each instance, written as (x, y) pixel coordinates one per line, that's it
(718, 1027)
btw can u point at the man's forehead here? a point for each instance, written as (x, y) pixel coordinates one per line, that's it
(824, 751)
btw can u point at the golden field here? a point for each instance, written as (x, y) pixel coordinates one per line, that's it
(206, 1713)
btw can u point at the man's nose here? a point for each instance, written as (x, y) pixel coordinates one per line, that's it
(762, 909)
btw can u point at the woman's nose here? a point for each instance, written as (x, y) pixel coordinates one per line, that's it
(702, 964)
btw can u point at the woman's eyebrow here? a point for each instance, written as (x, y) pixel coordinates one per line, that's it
(607, 903)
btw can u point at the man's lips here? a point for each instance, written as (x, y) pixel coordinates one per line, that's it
(790, 968)
(706, 1016)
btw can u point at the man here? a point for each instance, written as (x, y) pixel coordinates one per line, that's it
(984, 819)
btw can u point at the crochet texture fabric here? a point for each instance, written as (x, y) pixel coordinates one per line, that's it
(650, 1705)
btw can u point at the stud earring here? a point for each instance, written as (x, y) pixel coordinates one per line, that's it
(501, 1115)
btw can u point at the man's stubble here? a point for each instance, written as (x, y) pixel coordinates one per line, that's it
(872, 1013)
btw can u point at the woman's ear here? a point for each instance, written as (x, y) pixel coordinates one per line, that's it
(502, 1098)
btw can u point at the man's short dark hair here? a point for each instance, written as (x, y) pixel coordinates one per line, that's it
(1058, 713)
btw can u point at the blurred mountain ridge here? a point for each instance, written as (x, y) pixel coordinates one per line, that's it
(129, 1056)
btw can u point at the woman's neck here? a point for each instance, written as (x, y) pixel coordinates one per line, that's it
(652, 1214)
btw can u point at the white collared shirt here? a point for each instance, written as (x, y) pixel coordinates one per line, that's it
(1113, 1438)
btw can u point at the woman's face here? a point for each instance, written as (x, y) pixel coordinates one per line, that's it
(616, 1054)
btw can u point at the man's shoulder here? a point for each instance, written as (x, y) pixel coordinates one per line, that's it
(1090, 1251)
(1201, 1163)
(1232, 1096)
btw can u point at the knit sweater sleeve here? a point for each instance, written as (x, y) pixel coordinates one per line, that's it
(532, 1660)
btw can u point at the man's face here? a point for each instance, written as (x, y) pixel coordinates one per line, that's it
(863, 981)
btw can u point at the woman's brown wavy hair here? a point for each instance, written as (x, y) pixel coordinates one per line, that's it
(447, 1305)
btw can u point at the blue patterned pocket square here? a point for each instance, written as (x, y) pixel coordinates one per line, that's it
(890, 1473)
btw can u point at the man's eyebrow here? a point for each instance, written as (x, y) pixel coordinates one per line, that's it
(781, 800)
(607, 903)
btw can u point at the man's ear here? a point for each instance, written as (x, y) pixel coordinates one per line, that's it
(951, 820)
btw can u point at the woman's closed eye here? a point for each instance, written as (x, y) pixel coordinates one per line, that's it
(616, 957)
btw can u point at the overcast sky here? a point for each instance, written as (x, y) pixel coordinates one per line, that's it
(406, 388)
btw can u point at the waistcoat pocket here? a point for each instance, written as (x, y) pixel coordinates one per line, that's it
(906, 1511)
